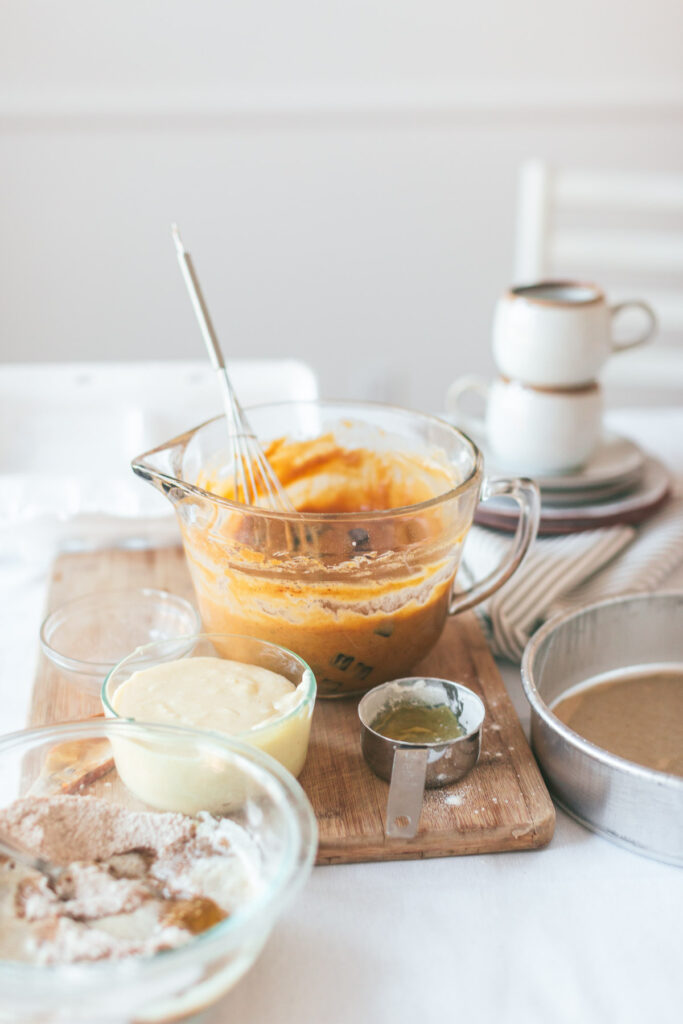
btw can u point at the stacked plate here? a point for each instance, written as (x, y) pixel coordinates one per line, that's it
(620, 484)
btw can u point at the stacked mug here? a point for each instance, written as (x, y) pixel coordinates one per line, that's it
(543, 414)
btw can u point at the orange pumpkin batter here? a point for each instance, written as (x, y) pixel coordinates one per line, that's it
(360, 597)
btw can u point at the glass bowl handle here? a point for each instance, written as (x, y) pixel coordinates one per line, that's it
(525, 492)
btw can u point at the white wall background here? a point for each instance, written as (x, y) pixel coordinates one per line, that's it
(343, 171)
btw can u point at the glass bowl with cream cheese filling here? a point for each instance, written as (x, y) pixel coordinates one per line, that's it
(258, 692)
(118, 945)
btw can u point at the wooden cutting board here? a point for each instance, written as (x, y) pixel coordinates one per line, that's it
(501, 805)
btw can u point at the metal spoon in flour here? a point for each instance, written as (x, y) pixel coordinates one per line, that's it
(195, 915)
(53, 872)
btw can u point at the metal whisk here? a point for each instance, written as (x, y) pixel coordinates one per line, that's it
(255, 480)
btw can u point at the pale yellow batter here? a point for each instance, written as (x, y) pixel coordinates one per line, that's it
(207, 693)
(259, 706)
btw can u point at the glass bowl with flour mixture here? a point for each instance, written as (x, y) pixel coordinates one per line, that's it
(165, 902)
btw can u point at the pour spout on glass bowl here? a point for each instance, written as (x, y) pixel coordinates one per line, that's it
(361, 596)
(162, 467)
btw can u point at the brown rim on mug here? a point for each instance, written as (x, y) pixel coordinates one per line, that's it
(570, 389)
(525, 291)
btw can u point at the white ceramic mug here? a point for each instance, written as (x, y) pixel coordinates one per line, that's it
(559, 333)
(531, 430)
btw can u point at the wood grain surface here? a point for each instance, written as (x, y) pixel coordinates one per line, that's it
(501, 805)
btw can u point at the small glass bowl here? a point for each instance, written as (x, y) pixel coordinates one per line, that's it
(284, 738)
(173, 984)
(85, 638)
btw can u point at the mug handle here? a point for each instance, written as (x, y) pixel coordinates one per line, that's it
(459, 387)
(648, 331)
(527, 495)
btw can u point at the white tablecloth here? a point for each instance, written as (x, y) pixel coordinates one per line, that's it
(581, 932)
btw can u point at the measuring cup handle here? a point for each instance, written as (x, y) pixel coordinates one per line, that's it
(525, 492)
(406, 790)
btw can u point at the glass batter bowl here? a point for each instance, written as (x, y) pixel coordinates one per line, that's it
(130, 763)
(361, 596)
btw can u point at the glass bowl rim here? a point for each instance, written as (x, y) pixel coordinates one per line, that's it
(142, 468)
(300, 855)
(307, 675)
(56, 618)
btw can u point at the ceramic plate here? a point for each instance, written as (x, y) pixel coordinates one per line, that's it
(615, 459)
(638, 504)
(591, 495)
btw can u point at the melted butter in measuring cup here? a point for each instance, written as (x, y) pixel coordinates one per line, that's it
(413, 722)
(438, 726)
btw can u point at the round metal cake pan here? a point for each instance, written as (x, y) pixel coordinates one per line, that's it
(633, 806)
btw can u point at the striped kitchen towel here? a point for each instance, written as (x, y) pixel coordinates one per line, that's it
(564, 573)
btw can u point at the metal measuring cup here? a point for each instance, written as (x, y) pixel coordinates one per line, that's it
(411, 767)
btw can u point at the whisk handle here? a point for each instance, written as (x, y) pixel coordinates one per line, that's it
(198, 303)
